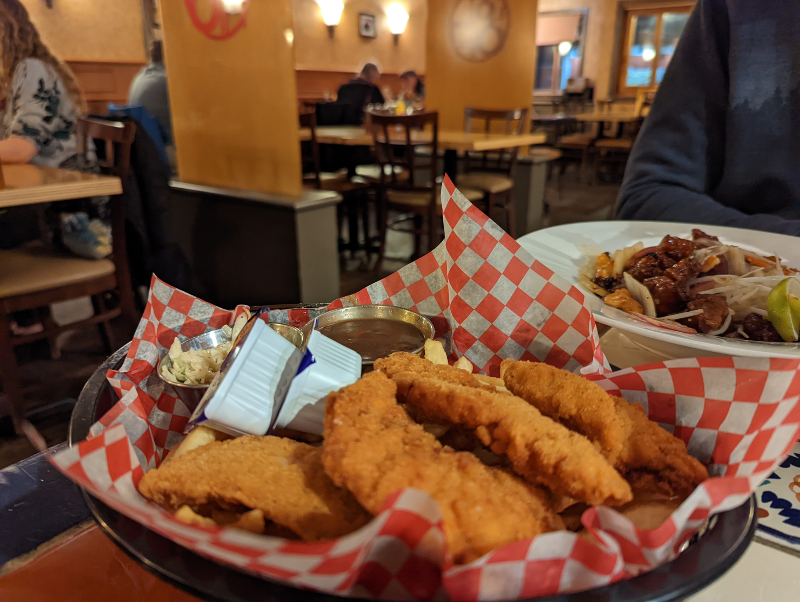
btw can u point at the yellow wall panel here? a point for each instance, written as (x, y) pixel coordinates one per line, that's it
(347, 50)
(502, 81)
(91, 30)
(234, 102)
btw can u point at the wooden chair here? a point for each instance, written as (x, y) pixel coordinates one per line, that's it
(33, 277)
(614, 152)
(493, 171)
(354, 191)
(397, 149)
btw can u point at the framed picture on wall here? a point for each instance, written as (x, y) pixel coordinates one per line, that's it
(366, 25)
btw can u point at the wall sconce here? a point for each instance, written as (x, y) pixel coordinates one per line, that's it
(564, 48)
(233, 7)
(331, 13)
(398, 18)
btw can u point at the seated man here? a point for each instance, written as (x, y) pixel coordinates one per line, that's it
(362, 90)
(721, 144)
(149, 90)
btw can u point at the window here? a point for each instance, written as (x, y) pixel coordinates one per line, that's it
(559, 50)
(649, 40)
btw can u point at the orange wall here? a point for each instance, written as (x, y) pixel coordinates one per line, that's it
(316, 51)
(504, 81)
(91, 30)
(234, 102)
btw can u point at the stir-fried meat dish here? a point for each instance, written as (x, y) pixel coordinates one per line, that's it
(701, 285)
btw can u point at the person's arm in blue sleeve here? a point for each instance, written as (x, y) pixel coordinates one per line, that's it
(679, 154)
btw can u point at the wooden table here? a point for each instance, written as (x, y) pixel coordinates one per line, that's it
(609, 117)
(604, 117)
(353, 135)
(452, 141)
(32, 184)
(557, 124)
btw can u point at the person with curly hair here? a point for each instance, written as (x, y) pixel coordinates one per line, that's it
(42, 105)
(43, 100)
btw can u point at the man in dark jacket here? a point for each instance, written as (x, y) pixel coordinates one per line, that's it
(362, 90)
(721, 144)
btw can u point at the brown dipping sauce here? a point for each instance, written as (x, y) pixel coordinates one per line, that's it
(374, 338)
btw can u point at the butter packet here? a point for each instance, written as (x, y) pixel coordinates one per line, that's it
(266, 381)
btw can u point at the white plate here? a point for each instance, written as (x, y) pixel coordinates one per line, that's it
(559, 249)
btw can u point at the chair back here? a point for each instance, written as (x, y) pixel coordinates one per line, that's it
(309, 149)
(117, 137)
(644, 98)
(398, 140)
(501, 161)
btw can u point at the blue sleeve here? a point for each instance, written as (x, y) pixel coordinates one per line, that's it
(679, 154)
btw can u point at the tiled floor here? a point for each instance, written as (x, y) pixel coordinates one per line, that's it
(51, 381)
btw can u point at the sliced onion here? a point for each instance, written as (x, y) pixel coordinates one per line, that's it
(641, 253)
(686, 314)
(758, 310)
(640, 293)
(665, 324)
(720, 279)
(703, 254)
(719, 289)
(622, 257)
(597, 290)
(736, 262)
(742, 332)
(724, 326)
(706, 241)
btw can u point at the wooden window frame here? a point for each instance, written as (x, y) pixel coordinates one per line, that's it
(553, 89)
(583, 13)
(627, 39)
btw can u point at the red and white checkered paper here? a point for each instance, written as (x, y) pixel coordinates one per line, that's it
(740, 416)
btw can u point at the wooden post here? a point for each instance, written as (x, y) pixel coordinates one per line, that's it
(479, 61)
(233, 94)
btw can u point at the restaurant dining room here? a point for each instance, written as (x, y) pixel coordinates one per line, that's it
(468, 300)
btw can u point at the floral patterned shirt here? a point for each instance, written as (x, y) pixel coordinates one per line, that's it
(41, 111)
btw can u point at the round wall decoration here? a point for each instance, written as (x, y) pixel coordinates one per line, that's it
(480, 28)
(212, 20)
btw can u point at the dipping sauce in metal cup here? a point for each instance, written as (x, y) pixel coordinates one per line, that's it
(374, 331)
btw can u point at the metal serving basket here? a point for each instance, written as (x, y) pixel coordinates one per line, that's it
(702, 562)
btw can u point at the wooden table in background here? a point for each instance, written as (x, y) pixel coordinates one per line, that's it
(604, 117)
(451, 141)
(609, 117)
(353, 135)
(32, 184)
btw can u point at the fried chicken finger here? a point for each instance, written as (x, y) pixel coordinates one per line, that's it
(575, 402)
(540, 449)
(374, 449)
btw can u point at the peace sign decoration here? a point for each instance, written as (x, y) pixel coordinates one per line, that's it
(212, 20)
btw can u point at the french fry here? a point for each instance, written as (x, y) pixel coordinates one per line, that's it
(252, 520)
(187, 515)
(197, 437)
(463, 363)
(497, 383)
(434, 352)
(435, 429)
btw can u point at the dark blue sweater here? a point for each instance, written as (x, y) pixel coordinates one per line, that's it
(721, 144)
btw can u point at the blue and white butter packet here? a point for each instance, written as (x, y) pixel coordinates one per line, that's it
(332, 366)
(266, 382)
